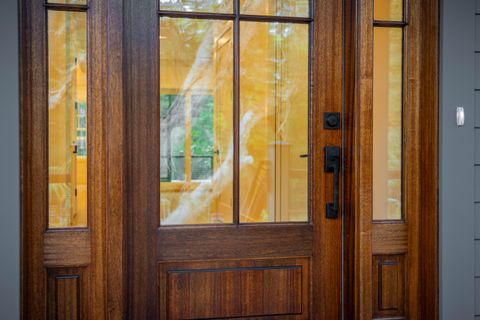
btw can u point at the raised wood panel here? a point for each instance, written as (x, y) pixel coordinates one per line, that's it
(237, 241)
(389, 286)
(388, 238)
(66, 248)
(65, 294)
(232, 289)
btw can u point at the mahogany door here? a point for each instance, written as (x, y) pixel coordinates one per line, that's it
(228, 191)
(228, 159)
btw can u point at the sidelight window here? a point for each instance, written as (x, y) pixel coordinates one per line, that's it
(67, 116)
(388, 65)
(234, 109)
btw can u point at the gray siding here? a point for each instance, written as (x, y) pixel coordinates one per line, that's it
(9, 163)
(477, 160)
(459, 177)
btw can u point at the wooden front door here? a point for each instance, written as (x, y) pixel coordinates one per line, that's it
(227, 159)
(225, 137)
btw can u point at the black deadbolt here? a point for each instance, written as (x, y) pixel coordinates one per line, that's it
(331, 120)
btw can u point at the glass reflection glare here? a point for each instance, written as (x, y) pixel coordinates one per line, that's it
(196, 87)
(289, 8)
(388, 10)
(217, 6)
(274, 110)
(387, 123)
(67, 119)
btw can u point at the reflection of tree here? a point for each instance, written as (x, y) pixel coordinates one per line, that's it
(197, 49)
(62, 40)
(202, 125)
(195, 5)
(196, 202)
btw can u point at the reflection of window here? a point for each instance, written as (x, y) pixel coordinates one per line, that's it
(181, 132)
(172, 137)
(81, 144)
(202, 137)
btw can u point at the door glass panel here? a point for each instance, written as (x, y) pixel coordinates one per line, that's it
(84, 2)
(274, 99)
(216, 6)
(196, 106)
(388, 10)
(290, 8)
(387, 123)
(67, 119)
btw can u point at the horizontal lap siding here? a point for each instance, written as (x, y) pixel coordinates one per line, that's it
(477, 160)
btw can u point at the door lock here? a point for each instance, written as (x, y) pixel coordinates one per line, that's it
(332, 164)
(331, 120)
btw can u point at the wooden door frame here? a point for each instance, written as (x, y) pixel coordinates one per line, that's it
(417, 237)
(105, 241)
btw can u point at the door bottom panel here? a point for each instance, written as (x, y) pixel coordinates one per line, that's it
(225, 289)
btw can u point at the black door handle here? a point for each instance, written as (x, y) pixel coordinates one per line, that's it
(332, 164)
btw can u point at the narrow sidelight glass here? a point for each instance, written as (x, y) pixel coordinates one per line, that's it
(196, 111)
(212, 6)
(274, 106)
(388, 10)
(387, 123)
(67, 119)
(289, 8)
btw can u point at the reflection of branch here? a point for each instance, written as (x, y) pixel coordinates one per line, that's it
(55, 96)
(194, 203)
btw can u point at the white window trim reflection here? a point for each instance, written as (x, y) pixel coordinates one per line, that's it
(188, 179)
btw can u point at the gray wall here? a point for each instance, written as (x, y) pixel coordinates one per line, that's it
(460, 155)
(9, 163)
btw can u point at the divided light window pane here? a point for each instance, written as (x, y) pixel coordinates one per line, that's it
(288, 8)
(67, 119)
(388, 10)
(216, 6)
(387, 123)
(274, 73)
(196, 107)
(83, 2)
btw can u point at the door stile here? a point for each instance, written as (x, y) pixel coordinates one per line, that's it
(363, 160)
(33, 115)
(115, 231)
(350, 163)
(97, 159)
(142, 111)
(327, 97)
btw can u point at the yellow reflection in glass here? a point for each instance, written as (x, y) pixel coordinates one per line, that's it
(387, 124)
(388, 10)
(274, 122)
(68, 1)
(216, 6)
(289, 8)
(196, 148)
(67, 119)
